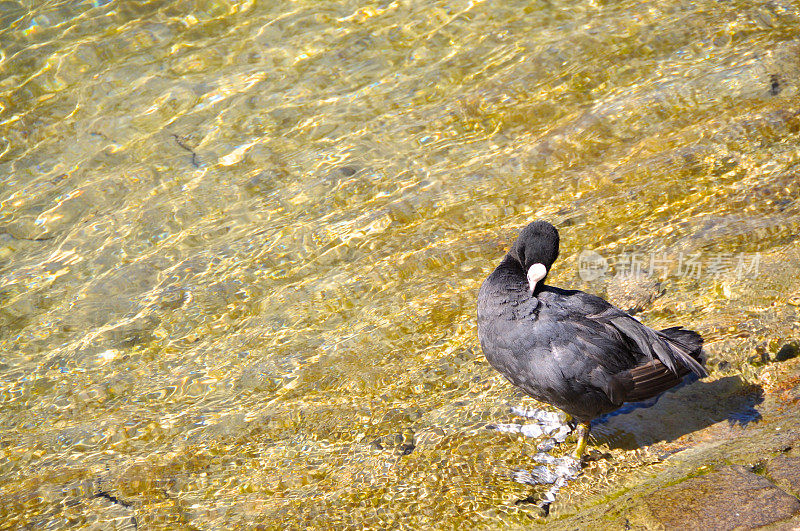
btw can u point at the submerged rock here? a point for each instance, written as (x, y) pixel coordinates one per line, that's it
(785, 471)
(729, 498)
(787, 352)
(633, 293)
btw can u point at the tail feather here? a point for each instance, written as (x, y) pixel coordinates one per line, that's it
(651, 379)
(688, 338)
(662, 373)
(674, 347)
(690, 345)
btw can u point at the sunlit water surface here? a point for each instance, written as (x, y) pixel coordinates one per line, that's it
(241, 242)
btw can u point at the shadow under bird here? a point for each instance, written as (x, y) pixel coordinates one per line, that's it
(571, 349)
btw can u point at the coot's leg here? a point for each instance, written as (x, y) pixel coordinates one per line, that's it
(583, 436)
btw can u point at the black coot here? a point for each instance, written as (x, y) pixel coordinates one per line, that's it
(571, 349)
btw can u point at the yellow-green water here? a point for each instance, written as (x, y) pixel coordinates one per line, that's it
(241, 242)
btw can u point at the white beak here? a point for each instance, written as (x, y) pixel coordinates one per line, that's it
(536, 273)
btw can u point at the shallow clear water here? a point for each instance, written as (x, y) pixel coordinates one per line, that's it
(241, 242)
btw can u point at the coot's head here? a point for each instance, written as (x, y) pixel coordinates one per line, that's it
(536, 248)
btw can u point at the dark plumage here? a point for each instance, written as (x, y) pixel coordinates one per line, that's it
(571, 349)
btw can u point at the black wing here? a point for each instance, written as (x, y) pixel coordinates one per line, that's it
(633, 362)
